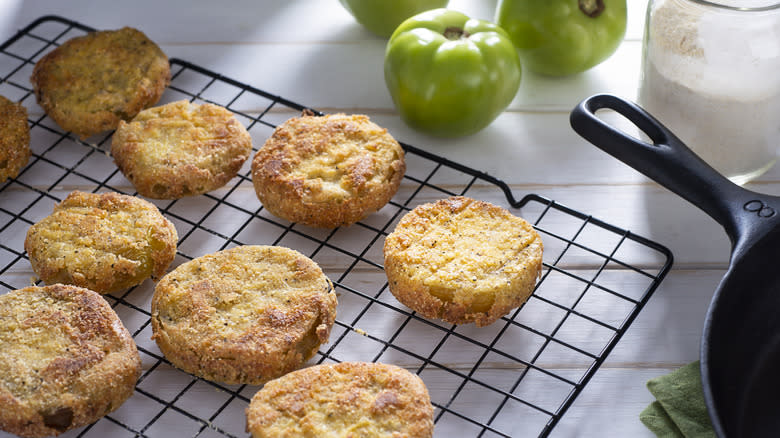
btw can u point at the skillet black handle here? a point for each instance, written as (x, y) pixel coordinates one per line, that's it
(667, 160)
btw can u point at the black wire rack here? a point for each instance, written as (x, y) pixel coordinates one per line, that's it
(516, 377)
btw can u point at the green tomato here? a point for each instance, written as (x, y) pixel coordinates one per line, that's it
(563, 37)
(383, 16)
(450, 75)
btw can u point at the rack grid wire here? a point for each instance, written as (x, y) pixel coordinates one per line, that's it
(516, 377)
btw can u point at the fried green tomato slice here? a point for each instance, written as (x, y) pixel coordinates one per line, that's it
(244, 315)
(327, 171)
(181, 149)
(91, 82)
(67, 360)
(14, 139)
(349, 399)
(105, 242)
(462, 260)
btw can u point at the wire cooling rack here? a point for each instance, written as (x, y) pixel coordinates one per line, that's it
(516, 377)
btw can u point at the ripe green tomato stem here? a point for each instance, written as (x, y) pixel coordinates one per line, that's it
(591, 8)
(455, 33)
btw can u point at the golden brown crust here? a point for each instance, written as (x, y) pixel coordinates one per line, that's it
(350, 399)
(327, 171)
(462, 260)
(104, 242)
(181, 149)
(14, 139)
(91, 82)
(243, 315)
(67, 360)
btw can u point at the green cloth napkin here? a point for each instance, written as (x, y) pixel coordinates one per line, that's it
(679, 410)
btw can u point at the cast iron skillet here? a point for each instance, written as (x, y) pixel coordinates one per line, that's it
(740, 346)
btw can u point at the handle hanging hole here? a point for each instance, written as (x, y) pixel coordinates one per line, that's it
(621, 123)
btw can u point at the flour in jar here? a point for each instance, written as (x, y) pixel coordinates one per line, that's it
(711, 78)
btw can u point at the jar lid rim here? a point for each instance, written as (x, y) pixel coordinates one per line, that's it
(723, 5)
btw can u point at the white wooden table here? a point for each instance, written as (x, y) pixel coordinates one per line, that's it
(314, 53)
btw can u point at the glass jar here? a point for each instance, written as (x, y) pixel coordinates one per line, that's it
(711, 74)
